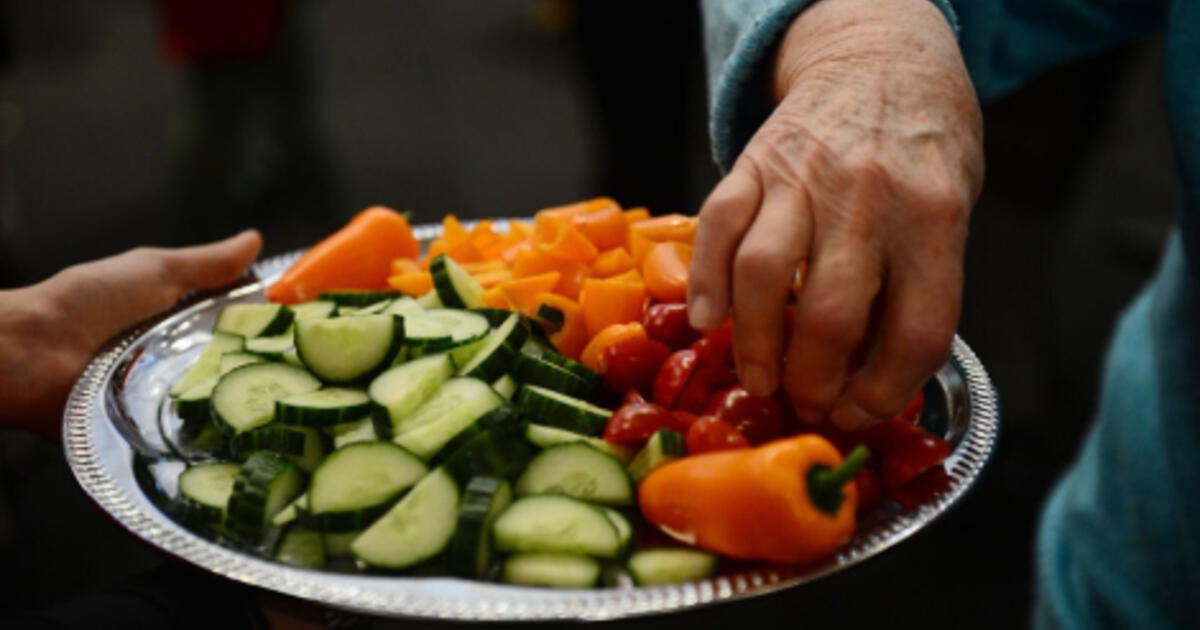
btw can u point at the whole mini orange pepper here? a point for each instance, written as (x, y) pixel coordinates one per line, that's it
(791, 501)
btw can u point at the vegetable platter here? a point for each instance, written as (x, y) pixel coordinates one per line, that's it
(484, 557)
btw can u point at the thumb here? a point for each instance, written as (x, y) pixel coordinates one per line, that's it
(214, 264)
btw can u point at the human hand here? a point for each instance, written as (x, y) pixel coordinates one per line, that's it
(49, 331)
(866, 170)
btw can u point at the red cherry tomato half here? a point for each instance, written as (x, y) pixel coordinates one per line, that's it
(759, 418)
(870, 492)
(705, 381)
(633, 363)
(708, 434)
(633, 424)
(716, 348)
(908, 458)
(674, 373)
(668, 323)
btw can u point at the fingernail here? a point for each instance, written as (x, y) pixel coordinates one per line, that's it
(851, 417)
(700, 312)
(756, 380)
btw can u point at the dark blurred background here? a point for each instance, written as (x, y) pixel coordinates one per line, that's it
(119, 127)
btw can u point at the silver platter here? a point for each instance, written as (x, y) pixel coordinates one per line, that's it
(119, 441)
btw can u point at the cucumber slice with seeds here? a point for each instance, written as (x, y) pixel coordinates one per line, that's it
(404, 306)
(455, 287)
(415, 529)
(400, 390)
(578, 470)
(323, 407)
(204, 490)
(650, 567)
(556, 524)
(347, 349)
(453, 408)
(358, 483)
(470, 551)
(207, 364)
(555, 570)
(496, 357)
(546, 406)
(245, 398)
(255, 320)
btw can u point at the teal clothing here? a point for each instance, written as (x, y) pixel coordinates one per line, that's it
(1119, 542)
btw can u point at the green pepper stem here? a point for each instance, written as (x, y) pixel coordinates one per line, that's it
(825, 483)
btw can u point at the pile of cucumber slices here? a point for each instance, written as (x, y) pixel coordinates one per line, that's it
(372, 431)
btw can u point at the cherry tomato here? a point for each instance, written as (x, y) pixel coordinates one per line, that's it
(759, 418)
(633, 424)
(921, 489)
(716, 348)
(633, 363)
(668, 323)
(633, 396)
(907, 458)
(912, 411)
(870, 492)
(672, 376)
(883, 436)
(708, 434)
(684, 418)
(705, 381)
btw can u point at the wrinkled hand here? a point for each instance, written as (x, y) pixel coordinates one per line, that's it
(49, 331)
(866, 170)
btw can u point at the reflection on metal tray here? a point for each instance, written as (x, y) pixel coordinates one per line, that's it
(123, 442)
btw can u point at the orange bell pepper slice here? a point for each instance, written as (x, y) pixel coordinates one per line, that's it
(557, 238)
(605, 228)
(633, 275)
(483, 266)
(489, 279)
(608, 302)
(405, 265)
(571, 281)
(633, 215)
(358, 256)
(531, 262)
(520, 230)
(593, 353)
(523, 292)
(612, 262)
(569, 339)
(495, 298)
(568, 211)
(669, 227)
(453, 231)
(665, 269)
(412, 282)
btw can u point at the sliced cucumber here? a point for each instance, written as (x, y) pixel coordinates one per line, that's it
(400, 390)
(291, 357)
(300, 546)
(497, 355)
(551, 319)
(535, 346)
(272, 347)
(454, 407)
(204, 490)
(316, 309)
(578, 470)
(430, 300)
(372, 309)
(231, 361)
(245, 398)
(539, 371)
(206, 366)
(303, 445)
(470, 551)
(289, 513)
(545, 437)
(356, 484)
(404, 306)
(359, 430)
(545, 406)
(670, 566)
(357, 298)
(338, 545)
(194, 406)
(623, 527)
(584, 372)
(664, 447)
(347, 349)
(415, 529)
(506, 386)
(455, 287)
(492, 453)
(556, 524)
(323, 407)
(265, 484)
(494, 316)
(255, 320)
(556, 570)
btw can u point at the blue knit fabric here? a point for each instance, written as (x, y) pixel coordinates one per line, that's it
(1119, 543)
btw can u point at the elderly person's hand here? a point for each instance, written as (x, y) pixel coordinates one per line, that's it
(866, 169)
(49, 331)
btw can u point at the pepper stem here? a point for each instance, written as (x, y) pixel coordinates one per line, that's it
(825, 483)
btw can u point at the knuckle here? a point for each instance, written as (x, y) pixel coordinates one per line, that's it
(828, 324)
(864, 168)
(755, 266)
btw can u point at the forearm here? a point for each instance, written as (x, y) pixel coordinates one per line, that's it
(38, 357)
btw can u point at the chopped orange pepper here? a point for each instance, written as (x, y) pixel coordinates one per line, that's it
(559, 239)
(509, 256)
(453, 231)
(404, 265)
(531, 262)
(520, 229)
(639, 246)
(358, 256)
(566, 212)
(633, 215)
(790, 501)
(489, 279)
(605, 228)
(665, 269)
(612, 262)
(436, 246)
(523, 292)
(607, 302)
(633, 275)
(495, 298)
(669, 227)
(593, 353)
(412, 282)
(483, 265)
(569, 339)
(573, 275)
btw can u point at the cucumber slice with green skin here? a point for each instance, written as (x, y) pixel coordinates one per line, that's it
(623, 527)
(399, 391)
(415, 529)
(204, 437)
(545, 406)
(430, 300)
(580, 370)
(500, 420)
(272, 347)
(470, 551)
(492, 453)
(554, 523)
(265, 484)
(357, 298)
(360, 430)
(551, 319)
(463, 354)
(323, 407)
(338, 545)
(506, 386)
(316, 309)
(664, 447)
(650, 567)
(291, 357)
(372, 309)
(544, 437)
(302, 547)
(357, 484)
(535, 346)
(555, 570)
(496, 357)
(347, 349)
(194, 406)
(231, 361)
(204, 490)
(404, 306)
(458, 404)
(245, 398)
(578, 470)
(455, 287)
(207, 364)
(289, 513)
(303, 445)
(538, 371)
(494, 316)
(255, 320)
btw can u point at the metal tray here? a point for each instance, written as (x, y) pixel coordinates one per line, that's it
(119, 437)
